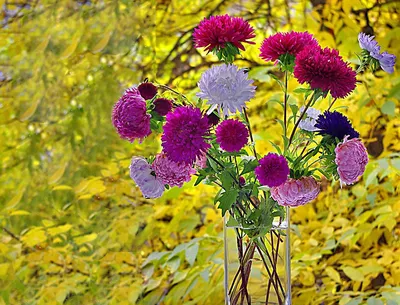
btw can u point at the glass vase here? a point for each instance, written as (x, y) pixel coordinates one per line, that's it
(257, 270)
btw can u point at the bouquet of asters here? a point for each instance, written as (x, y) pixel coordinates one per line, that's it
(211, 138)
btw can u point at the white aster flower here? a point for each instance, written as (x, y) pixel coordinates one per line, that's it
(309, 119)
(226, 87)
(140, 172)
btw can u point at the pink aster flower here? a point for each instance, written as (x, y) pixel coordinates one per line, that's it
(286, 43)
(273, 170)
(170, 172)
(351, 159)
(129, 116)
(162, 106)
(140, 172)
(217, 31)
(232, 135)
(295, 192)
(201, 162)
(324, 69)
(147, 90)
(185, 133)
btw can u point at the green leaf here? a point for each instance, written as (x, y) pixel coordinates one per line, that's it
(389, 108)
(249, 166)
(191, 253)
(354, 274)
(227, 200)
(232, 222)
(374, 301)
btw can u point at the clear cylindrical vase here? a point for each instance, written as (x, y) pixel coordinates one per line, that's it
(257, 269)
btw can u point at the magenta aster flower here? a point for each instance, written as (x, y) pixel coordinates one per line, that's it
(185, 132)
(162, 106)
(324, 69)
(170, 172)
(291, 43)
(217, 31)
(147, 90)
(140, 172)
(129, 116)
(273, 170)
(232, 135)
(295, 192)
(351, 159)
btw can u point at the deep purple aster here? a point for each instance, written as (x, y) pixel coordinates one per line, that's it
(217, 31)
(232, 135)
(273, 170)
(162, 106)
(147, 90)
(129, 116)
(291, 43)
(369, 44)
(213, 119)
(336, 125)
(185, 132)
(324, 69)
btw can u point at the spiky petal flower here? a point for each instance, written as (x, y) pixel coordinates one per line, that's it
(351, 159)
(296, 192)
(232, 135)
(369, 44)
(324, 69)
(129, 116)
(170, 172)
(217, 31)
(226, 87)
(162, 106)
(291, 43)
(336, 125)
(185, 133)
(147, 90)
(141, 173)
(273, 170)
(310, 119)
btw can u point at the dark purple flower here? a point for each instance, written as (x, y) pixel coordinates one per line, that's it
(217, 31)
(185, 132)
(324, 69)
(242, 181)
(291, 43)
(336, 125)
(129, 116)
(162, 106)
(232, 135)
(213, 119)
(273, 170)
(147, 90)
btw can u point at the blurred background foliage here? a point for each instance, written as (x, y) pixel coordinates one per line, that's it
(76, 230)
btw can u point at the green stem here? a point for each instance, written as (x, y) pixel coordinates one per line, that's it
(285, 105)
(250, 133)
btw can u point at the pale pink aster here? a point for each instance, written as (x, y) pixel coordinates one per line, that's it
(296, 192)
(170, 172)
(141, 173)
(129, 116)
(201, 161)
(351, 159)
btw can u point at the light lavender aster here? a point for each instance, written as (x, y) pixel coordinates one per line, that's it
(309, 119)
(226, 87)
(386, 60)
(368, 43)
(140, 172)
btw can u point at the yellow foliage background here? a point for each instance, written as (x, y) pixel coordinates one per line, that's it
(76, 230)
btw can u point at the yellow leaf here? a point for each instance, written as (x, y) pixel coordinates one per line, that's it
(59, 229)
(354, 274)
(47, 223)
(85, 239)
(102, 43)
(71, 48)
(333, 274)
(43, 45)
(3, 270)
(30, 111)
(16, 199)
(62, 188)
(58, 174)
(19, 212)
(34, 237)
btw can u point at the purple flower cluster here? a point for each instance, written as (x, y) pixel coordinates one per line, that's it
(232, 135)
(273, 170)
